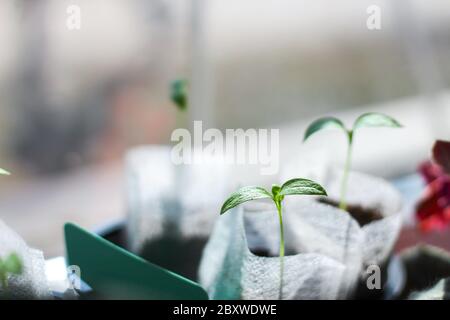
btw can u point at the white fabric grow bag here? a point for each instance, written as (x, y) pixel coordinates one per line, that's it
(312, 228)
(230, 270)
(169, 205)
(378, 237)
(32, 283)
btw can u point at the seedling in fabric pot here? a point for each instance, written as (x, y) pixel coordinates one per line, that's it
(8, 266)
(366, 120)
(292, 187)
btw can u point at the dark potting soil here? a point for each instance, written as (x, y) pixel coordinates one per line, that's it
(362, 215)
(169, 251)
(262, 252)
(176, 254)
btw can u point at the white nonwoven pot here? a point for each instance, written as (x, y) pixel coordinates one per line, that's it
(233, 266)
(367, 192)
(32, 283)
(172, 208)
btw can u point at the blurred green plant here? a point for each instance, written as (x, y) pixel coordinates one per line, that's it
(371, 119)
(296, 186)
(179, 93)
(12, 264)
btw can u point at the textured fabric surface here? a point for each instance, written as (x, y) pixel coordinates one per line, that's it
(159, 192)
(172, 208)
(230, 269)
(32, 283)
(378, 237)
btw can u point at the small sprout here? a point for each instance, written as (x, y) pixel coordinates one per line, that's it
(277, 194)
(364, 121)
(10, 265)
(179, 93)
(3, 172)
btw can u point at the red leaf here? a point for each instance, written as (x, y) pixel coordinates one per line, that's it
(433, 209)
(431, 171)
(441, 154)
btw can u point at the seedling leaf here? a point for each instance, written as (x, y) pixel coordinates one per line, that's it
(275, 189)
(323, 123)
(179, 93)
(302, 187)
(243, 195)
(13, 264)
(374, 119)
(4, 172)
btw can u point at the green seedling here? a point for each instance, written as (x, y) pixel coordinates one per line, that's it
(179, 93)
(365, 120)
(3, 172)
(8, 266)
(291, 187)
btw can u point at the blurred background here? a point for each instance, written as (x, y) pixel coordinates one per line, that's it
(73, 101)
